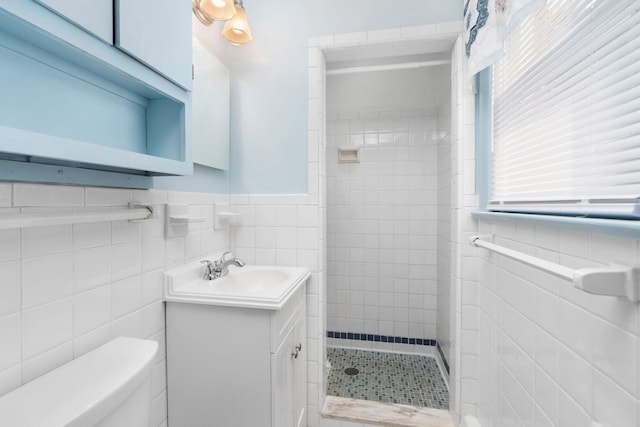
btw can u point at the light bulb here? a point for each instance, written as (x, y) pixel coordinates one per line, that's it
(218, 10)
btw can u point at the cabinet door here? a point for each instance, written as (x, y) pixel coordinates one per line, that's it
(300, 373)
(158, 34)
(283, 385)
(94, 16)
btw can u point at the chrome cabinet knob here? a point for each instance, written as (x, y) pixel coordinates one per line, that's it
(297, 351)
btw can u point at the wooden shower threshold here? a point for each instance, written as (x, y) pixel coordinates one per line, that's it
(384, 414)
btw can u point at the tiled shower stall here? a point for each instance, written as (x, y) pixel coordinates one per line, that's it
(382, 222)
(448, 198)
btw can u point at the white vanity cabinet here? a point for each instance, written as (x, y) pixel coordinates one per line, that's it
(233, 366)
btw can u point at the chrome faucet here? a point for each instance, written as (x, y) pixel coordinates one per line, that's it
(220, 268)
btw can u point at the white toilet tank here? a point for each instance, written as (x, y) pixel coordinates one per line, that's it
(107, 387)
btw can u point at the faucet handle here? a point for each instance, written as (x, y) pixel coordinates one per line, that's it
(208, 269)
(222, 258)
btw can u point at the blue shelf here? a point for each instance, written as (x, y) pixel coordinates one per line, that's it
(71, 99)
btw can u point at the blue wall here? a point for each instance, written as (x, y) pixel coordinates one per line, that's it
(268, 131)
(269, 79)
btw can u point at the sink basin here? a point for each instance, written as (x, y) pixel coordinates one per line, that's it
(250, 281)
(255, 286)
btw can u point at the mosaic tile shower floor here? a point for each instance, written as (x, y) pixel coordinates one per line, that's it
(387, 377)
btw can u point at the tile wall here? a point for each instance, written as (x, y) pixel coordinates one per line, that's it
(286, 230)
(382, 223)
(65, 290)
(444, 227)
(463, 272)
(549, 354)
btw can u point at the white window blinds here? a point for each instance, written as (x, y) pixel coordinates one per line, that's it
(566, 109)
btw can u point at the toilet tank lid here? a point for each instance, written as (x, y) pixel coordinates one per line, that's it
(83, 391)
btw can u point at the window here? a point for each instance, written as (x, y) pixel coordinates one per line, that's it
(566, 112)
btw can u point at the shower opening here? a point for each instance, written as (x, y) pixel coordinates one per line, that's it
(388, 229)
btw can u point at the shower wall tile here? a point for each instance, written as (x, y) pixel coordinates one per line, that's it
(382, 216)
(68, 289)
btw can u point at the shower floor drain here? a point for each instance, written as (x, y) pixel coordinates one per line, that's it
(351, 371)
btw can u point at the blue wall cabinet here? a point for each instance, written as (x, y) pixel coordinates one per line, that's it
(68, 98)
(158, 33)
(95, 16)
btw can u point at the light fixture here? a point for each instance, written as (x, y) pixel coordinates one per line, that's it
(237, 30)
(218, 10)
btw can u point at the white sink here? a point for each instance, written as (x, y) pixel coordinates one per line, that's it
(255, 286)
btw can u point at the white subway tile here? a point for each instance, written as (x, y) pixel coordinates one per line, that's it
(46, 240)
(46, 327)
(6, 192)
(158, 410)
(9, 288)
(91, 235)
(286, 216)
(46, 279)
(192, 246)
(153, 319)
(575, 329)
(92, 268)
(126, 296)
(615, 353)
(149, 197)
(10, 337)
(612, 406)
(9, 245)
(152, 254)
(576, 377)
(126, 260)
(47, 195)
(92, 309)
(125, 231)
(102, 196)
(128, 326)
(10, 379)
(152, 286)
(174, 251)
(247, 214)
(89, 341)
(307, 238)
(547, 349)
(286, 238)
(246, 237)
(153, 227)
(265, 256)
(286, 257)
(47, 361)
(265, 237)
(265, 215)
